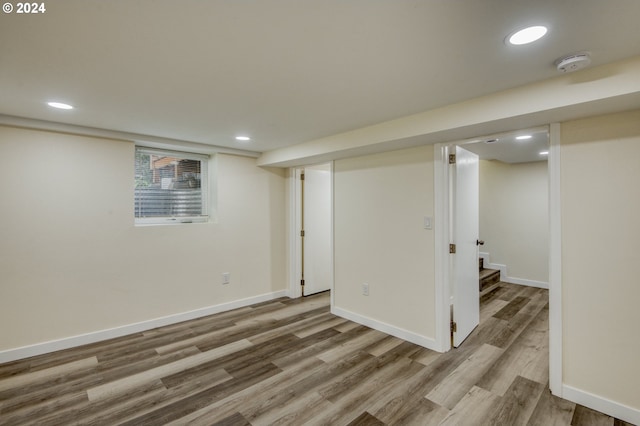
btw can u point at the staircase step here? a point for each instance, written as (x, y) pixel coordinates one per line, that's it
(488, 277)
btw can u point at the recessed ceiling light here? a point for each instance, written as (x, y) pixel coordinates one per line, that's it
(523, 137)
(544, 152)
(527, 35)
(243, 138)
(59, 105)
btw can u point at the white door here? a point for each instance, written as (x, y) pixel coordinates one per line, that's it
(465, 229)
(316, 212)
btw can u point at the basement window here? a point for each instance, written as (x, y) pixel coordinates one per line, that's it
(170, 187)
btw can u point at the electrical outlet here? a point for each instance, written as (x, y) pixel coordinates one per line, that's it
(226, 278)
(365, 289)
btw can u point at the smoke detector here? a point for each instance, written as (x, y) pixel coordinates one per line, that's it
(573, 62)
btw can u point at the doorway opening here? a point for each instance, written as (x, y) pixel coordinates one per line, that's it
(494, 190)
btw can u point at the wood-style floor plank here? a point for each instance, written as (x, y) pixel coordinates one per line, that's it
(518, 403)
(125, 384)
(366, 419)
(250, 399)
(587, 416)
(476, 404)
(456, 385)
(291, 362)
(42, 376)
(526, 350)
(551, 411)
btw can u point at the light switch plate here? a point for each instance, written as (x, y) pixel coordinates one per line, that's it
(427, 222)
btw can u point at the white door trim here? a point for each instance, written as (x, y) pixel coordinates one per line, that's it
(442, 228)
(555, 262)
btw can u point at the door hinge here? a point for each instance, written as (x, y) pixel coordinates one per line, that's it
(301, 176)
(302, 233)
(454, 326)
(452, 248)
(452, 159)
(302, 283)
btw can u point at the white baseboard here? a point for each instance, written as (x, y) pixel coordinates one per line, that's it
(98, 336)
(522, 281)
(504, 277)
(499, 267)
(398, 332)
(612, 408)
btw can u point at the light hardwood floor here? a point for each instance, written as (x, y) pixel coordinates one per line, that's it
(292, 362)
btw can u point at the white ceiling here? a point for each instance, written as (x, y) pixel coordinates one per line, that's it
(508, 149)
(285, 71)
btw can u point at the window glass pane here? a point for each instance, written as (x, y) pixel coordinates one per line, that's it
(169, 185)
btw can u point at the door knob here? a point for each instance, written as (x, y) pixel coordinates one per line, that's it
(479, 242)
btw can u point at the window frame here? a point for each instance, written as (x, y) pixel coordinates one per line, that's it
(204, 160)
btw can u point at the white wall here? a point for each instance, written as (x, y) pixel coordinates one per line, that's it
(514, 217)
(72, 261)
(600, 177)
(380, 202)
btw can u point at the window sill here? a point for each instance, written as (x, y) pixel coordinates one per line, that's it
(171, 221)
